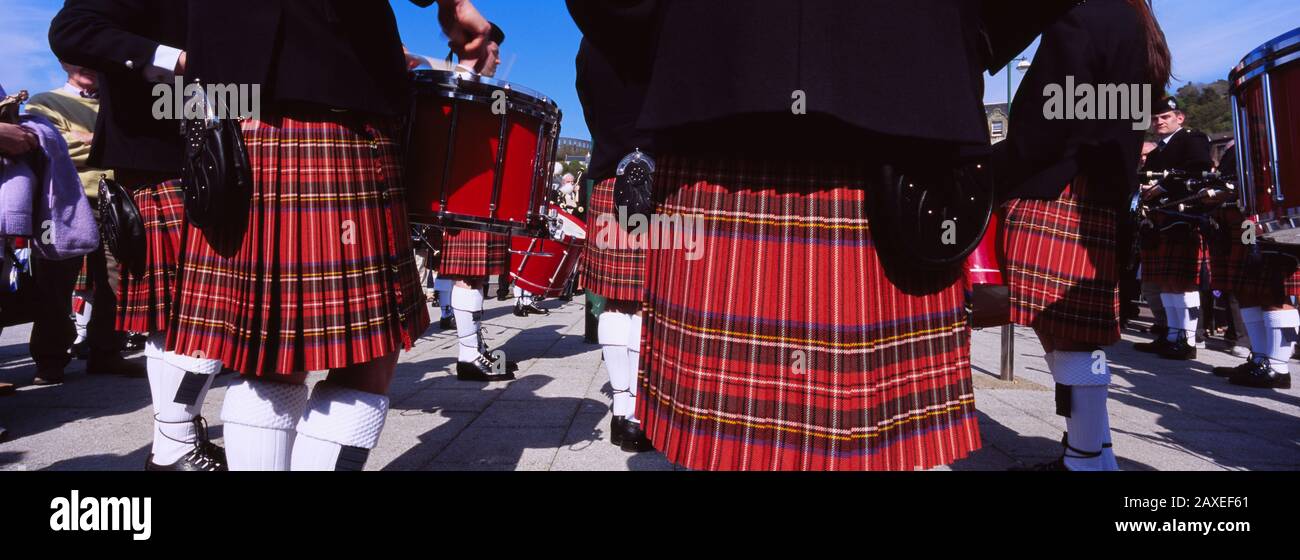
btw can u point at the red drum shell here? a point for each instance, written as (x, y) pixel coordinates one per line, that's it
(543, 266)
(445, 116)
(984, 266)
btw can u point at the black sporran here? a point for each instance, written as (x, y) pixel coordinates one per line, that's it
(121, 226)
(217, 178)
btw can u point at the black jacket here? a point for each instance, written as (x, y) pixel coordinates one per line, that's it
(611, 102)
(343, 54)
(723, 74)
(1187, 150)
(118, 38)
(1099, 42)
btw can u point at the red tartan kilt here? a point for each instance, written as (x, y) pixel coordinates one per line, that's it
(322, 275)
(612, 268)
(1174, 259)
(785, 345)
(1060, 259)
(144, 302)
(474, 254)
(83, 277)
(1265, 282)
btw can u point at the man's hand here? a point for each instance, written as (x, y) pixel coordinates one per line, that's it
(467, 32)
(16, 140)
(180, 64)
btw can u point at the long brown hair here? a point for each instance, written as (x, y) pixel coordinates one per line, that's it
(1159, 60)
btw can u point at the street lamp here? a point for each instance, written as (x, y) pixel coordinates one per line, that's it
(1008, 365)
(1022, 64)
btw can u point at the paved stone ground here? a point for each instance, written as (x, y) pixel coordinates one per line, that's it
(1165, 416)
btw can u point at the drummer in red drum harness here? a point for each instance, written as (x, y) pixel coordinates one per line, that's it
(1173, 260)
(1262, 269)
(468, 258)
(1067, 181)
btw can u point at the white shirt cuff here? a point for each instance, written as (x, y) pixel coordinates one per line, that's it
(163, 67)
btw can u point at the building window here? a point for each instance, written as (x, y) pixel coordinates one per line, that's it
(997, 128)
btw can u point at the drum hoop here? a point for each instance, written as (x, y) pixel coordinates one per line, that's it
(1273, 54)
(451, 84)
(549, 114)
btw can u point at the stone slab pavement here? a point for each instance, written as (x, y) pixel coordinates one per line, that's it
(555, 416)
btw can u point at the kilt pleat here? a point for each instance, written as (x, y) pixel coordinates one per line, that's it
(144, 302)
(474, 254)
(612, 268)
(1174, 259)
(787, 344)
(1060, 259)
(322, 275)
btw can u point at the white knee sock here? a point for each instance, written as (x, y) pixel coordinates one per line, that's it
(1183, 312)
(633, 361)
(612, 333)
(1088, 429)
(1281, 333)
(178, 390)
(1253, 319)
(444, 286)
(338, 429)
(83, 318)
(1088, 425)
(259, 420)
(467, 303)
(524, 296)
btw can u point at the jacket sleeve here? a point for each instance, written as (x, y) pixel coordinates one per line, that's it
(1036, 141)
(94, 34)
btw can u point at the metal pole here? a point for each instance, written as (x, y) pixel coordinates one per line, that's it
(1008, 353)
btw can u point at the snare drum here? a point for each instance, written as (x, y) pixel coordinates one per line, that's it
(1265, 90)
(478, 153)
(543, 266)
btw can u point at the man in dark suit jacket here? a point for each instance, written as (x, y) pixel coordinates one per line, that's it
(135, 45)
(1179, 148)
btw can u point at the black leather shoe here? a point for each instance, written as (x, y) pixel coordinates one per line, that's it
(1182, 349)
(1230, 371)
(7, 389)
(1153, 347)
(617, 426)
(634, 439)
(135, 341)
(447, 323)
(113, 364)
(1261, 376)
(204, 457)
(80, 350)
(481, 370)
(522, 310)
(48, 378)
(503, 294)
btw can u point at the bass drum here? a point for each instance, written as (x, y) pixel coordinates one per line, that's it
(544, 266)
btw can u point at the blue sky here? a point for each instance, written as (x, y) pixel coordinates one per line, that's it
(1207, 37)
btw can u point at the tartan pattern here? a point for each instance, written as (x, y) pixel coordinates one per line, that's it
(322, 275)
(83, 277)
(144, 303)
(1061, 267)
(789, 267)
(617, 272)
(1232, 271)
(1173, 259)
(474, 254)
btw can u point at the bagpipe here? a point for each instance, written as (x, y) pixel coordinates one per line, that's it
(1169, 201)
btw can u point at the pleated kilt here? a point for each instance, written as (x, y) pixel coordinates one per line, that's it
(612, 267)
(1253, 281)
(474, 254)
(322, 275)
(1174, 259)
(144, 302)
(1061, 266)
(785, 344)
